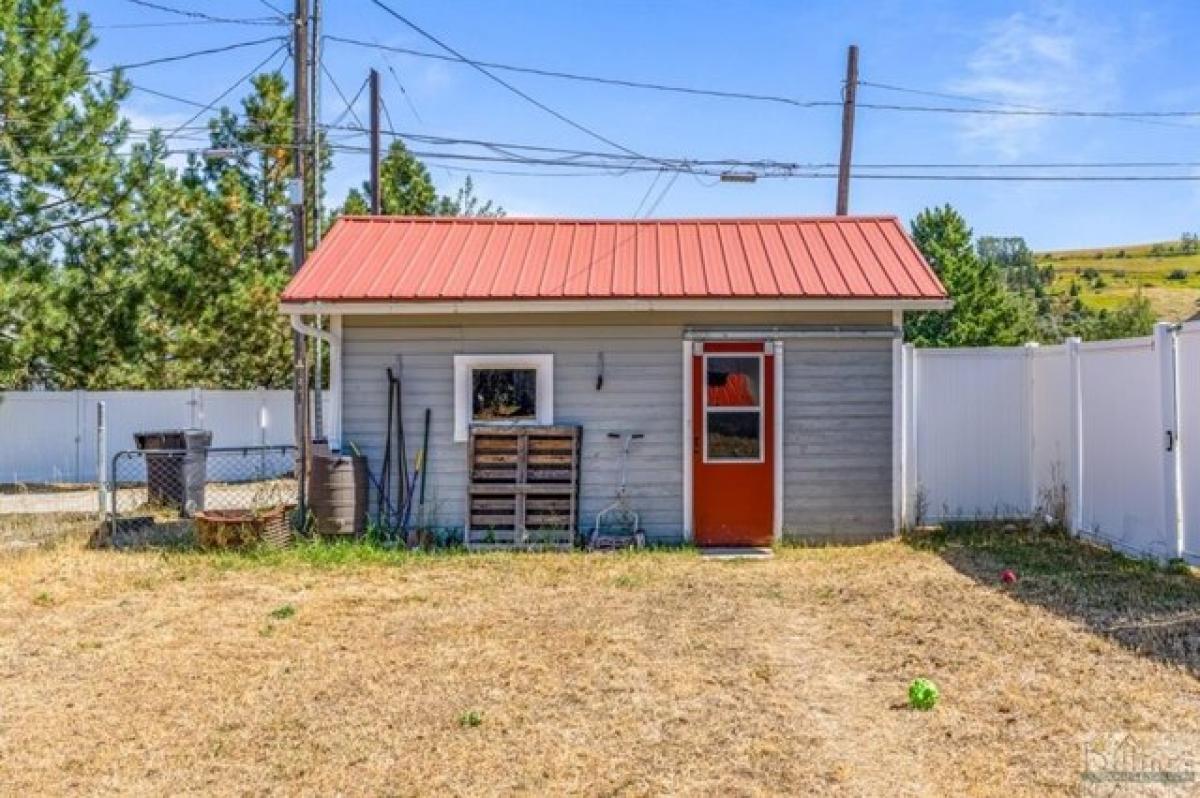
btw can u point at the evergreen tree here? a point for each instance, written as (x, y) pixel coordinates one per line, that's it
(60, 173)
(985, 312)
(406, 189)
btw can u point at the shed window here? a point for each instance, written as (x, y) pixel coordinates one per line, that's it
(502, 389)
(733, 409)
(503, 394)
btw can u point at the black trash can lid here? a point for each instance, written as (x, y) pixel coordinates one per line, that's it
(173, 439)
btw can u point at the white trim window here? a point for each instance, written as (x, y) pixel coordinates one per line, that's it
(734, 409)
(502, 390)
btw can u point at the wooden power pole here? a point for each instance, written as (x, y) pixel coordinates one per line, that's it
(376, 205)
(299, 218)
(848, 94)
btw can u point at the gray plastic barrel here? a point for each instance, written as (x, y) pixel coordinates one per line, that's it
(176, 467)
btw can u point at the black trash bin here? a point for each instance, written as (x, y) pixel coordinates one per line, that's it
(176, 467)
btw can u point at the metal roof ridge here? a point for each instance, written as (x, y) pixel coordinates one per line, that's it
(775, 219)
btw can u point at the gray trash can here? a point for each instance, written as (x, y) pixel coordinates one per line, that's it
(176, 467)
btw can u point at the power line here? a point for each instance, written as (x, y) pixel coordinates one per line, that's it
(199, 15)
(632, 84)
(342, 95)
(1014, 108)
(129, 189)
(183, 56)
(501, 81)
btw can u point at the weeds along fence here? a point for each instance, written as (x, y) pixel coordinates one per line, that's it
(1103, 435)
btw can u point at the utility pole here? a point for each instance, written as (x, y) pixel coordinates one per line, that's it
(299, 217)
(848, 94)
(376, 207)
(314, 88)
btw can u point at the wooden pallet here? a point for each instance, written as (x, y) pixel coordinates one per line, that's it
(524, 487)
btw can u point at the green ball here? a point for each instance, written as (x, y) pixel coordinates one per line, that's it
(923, 694)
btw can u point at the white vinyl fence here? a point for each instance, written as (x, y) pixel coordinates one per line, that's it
(50, 437)
(1101, 432)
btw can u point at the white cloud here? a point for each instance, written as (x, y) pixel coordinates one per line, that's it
(1049, 59)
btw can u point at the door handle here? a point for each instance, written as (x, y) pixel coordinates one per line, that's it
(1170, 440)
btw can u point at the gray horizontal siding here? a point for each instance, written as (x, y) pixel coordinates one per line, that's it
(641, 393)
(837, 417)
(837, 438)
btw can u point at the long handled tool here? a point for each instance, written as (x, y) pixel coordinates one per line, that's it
(385, 472)
(421, 465)
(401, 454)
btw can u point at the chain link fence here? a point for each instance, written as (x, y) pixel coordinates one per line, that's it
(154, 497)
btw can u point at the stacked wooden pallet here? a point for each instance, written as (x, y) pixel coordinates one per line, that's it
(524, 487)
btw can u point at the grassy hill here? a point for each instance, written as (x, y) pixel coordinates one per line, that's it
(1167, 275)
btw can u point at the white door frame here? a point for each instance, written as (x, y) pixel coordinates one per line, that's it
(695, 346)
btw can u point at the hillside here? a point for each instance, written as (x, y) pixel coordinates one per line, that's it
(1167, 273)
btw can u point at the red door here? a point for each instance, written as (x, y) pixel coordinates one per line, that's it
(733, 448)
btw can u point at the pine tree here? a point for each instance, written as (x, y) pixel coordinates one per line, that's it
(406, 189)
(61, 174)
(985, 312)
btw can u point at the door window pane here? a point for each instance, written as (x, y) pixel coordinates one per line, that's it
(733, 435)
(733, 381)
(503, 394)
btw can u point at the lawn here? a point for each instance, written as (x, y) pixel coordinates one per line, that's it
(351, 670)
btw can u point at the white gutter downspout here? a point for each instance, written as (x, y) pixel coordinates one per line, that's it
(334, 339)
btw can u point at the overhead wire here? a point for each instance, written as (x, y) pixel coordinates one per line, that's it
(184, 56)
(130, 188)
(200, 15)
(342, 95)
(625, 83)
(502, 82)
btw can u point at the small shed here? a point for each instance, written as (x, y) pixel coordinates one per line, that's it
(759, 358)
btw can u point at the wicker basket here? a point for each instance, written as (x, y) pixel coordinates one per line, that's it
(235, 529)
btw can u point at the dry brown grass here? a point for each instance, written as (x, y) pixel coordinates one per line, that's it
(642, 674)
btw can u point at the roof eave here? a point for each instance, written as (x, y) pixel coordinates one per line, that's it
(730, 305)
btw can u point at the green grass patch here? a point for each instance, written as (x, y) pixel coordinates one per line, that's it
(1072, 576)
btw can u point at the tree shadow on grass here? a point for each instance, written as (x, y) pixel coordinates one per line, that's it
(1141, 605)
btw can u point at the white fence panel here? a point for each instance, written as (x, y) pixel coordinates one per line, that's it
(38, 437)
(972, 433)
(1051, 393)
(235, 416)
(1188, 372)
(49, 436)
(1122, 451)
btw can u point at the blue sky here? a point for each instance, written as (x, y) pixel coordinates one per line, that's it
(1094, 55)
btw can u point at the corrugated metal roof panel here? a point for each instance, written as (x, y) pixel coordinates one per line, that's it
(396, 258)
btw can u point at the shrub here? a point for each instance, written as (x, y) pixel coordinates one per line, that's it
(1177, 274)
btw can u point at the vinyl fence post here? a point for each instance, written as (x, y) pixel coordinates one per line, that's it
(1165, 347)
(1075, 414)
(898, 422)
(80, 426)
(101, 461)
(1031, 410)
(909, 466)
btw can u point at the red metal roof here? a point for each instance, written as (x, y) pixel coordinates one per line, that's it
(401, 259)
